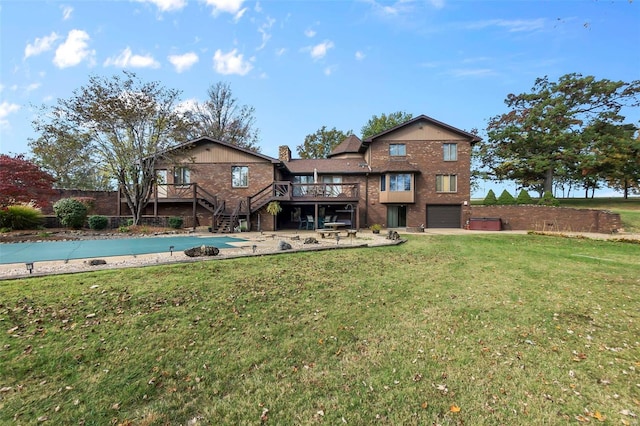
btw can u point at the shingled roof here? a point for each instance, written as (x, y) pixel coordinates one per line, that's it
(351, 145)
(326, 166)
(423, 117)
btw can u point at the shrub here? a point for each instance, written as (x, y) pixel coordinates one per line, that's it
(506, 199)
(524, 197)
(21, 217)
(549, 200)
(175, 222)
(98, 222)
(71, 212)
(490, 199)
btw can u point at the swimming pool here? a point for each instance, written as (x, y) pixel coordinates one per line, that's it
(66, 250)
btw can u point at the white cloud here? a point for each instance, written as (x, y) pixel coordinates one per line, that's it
(183, 62)
(126, 59)
(66, 12)
(32, 87)
(166, 5)
(5, 109)
(329, 70)
(360, 55)
(516, 25)
(281, 51)
(40, 45)
(309, 33)
(438, 4)
(468, 72)
(319, 51)
(230, 63)
(263, 30)
(74, 50)
(189, 105)
(233, 7)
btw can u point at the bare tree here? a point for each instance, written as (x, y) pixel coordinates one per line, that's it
(223, 118)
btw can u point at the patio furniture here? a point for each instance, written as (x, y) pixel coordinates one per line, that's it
(310, 222)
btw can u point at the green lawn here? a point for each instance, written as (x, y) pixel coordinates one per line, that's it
(629, 209)
(482, 329)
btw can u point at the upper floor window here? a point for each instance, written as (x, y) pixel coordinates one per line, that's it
(446, 183)
(383, 182)
(397, 150)
(239, 176)
(400, 182)
(181, 176)
(450, 151)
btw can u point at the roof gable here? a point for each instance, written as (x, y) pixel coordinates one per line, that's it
(205, 140)
(429, 121)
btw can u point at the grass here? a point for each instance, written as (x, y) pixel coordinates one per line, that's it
(476, 329)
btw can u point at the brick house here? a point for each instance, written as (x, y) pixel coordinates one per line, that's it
(416, 174)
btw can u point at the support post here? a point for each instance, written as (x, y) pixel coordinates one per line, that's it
(195, 204)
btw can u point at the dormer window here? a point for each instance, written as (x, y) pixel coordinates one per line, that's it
(397, 150)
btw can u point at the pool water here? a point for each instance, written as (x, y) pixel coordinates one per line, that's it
(66, 250)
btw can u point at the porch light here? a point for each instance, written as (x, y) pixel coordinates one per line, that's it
(29, 266)
(171, 250)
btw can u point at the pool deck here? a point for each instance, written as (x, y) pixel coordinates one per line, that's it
(266, 243)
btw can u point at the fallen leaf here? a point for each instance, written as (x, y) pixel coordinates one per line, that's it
(582, 419)
(424, 405)
(598, 416)
(626, 412)
(454, 409)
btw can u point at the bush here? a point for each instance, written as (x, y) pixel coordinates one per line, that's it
(98, 222)
(175, 222)
(490, 199)
(506, 199)
(549, 200)
(20, 217)
(524, 197)
(71, 212)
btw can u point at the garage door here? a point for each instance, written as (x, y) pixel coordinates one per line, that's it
(444, 216)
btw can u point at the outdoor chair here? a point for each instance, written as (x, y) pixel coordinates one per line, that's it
(310, 222)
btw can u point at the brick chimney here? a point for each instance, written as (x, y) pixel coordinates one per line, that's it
(284, 153)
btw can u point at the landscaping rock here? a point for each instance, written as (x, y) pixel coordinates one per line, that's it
(202, 251)
(310, 240)
(393, 235)
(283, 245)
(96, 262)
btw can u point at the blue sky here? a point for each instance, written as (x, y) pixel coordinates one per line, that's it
(307, 64)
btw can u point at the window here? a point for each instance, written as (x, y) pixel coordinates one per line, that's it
(397, 150)
(305, 187)
(400, 182)
(239, 176)
(446, 183)
(383, 183)
(450, 151)
(181, 176)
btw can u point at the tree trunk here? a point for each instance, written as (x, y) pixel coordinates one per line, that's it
(548, 181)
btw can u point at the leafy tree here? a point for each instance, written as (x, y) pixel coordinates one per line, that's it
(490, 199)
(321, 143)
(67, 155)
(620, 153)
(524, 197)
(543, 131)
(506, 199)
(377, 125)
(130, 124)
(223, 118)
(22, 181)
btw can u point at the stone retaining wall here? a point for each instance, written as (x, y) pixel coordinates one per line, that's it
(556, 219)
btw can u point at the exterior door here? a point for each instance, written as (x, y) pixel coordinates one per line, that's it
(396, 216)
(444, 216)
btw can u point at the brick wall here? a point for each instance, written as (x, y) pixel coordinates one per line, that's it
(106, 202)
(558, 219)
